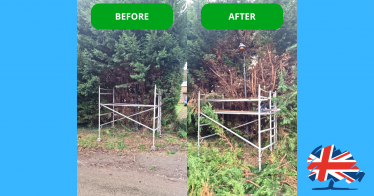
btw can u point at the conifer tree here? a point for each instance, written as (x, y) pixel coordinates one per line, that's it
(135, 59)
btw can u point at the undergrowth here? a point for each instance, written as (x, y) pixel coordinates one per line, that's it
(226, 166)
(182, 128)
(222, 171)
(229, 167)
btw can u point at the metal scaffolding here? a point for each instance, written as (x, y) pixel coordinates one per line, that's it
(260, 113)
(154, 107)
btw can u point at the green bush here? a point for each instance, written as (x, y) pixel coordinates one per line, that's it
(223, 170)
(218, 169)
(182, 128)
(182, 134)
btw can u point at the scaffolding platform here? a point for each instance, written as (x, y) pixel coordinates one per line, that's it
(242, 112)
(127, 104)
(156, 107)
(252, 99)
(260, 114)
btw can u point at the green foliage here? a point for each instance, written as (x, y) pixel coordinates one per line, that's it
(209, 56)
(287, 102)
(224, 172)
(181, 128)
(229, 62)
(269, 179)
(171, 139)
(284, 38)
(128, 48)
(217, 168)
(171, 152)
(200, 41)
(87, 79)
(178, 109)
(191, 121)
(121, 145)
(182, 134)
(207, 108)
(140, 56)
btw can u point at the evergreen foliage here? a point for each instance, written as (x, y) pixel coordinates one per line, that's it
(284, 38)
(132, 59)
(221, 169)
(288, 102)
(182, 128)
(225, 172)
(87, 78)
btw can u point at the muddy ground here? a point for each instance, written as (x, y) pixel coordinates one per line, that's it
(101, 172)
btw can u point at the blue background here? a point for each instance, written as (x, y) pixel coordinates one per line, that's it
(38, 98)
(38, 92)
(335, 84)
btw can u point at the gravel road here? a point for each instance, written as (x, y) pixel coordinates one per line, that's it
(102, 173)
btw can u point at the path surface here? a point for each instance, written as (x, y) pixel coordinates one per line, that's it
(183, 113)
(105, 173)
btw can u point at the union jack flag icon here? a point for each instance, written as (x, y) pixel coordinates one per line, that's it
(328, 163)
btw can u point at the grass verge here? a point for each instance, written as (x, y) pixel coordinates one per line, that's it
(120, 140)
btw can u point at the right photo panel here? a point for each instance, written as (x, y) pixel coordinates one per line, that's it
(242, 97)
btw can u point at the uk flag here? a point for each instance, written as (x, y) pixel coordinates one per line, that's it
(329, 163)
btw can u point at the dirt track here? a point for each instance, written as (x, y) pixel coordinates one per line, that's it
(105, 173)
(183, 113)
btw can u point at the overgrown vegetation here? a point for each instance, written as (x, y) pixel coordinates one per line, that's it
(181, 124)
(226, 165)
(131, 61)
(222, 171)
(182, 128)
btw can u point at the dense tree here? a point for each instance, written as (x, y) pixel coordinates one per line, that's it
(132, 61)
(216, 64)
(216, 68)
(284, 38)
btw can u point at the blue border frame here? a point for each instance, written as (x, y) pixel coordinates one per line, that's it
(39, 74)
(39, 97)
(336, 69)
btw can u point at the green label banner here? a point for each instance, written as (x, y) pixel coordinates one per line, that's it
(131, 16)
(241, 16)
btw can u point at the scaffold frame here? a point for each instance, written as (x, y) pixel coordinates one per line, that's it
(154, 107)
(261, 115)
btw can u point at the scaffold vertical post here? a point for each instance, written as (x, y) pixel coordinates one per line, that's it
(154, 116)
(160, 112)
(113, 109)
(223, 106)
(270, 126)
(198, 124)
(99, 139)
(275, 122)
(259, 127)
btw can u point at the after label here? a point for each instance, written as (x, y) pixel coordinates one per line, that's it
(242, 16)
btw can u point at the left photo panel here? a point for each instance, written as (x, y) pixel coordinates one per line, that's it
(131, 97)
